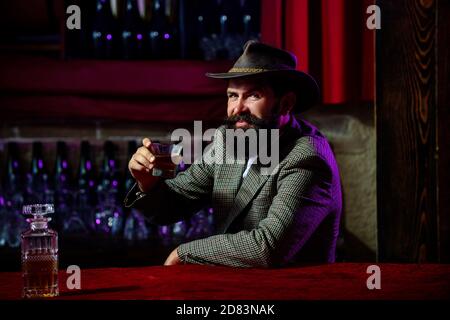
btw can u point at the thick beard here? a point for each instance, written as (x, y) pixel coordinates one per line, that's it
(254, 122)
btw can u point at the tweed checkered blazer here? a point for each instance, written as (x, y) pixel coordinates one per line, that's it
(272, 220)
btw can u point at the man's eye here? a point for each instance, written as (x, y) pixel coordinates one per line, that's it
(255, 96)
(232, 95)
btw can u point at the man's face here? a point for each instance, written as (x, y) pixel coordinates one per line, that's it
(251, 104)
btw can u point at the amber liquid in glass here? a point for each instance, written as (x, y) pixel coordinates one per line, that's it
(40, 275)
(164, 166)
(168, 156)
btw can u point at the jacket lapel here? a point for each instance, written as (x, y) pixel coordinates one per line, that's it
(227, 186)
(249, 188)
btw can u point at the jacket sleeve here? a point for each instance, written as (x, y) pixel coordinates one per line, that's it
(300, 205)
(175, 199)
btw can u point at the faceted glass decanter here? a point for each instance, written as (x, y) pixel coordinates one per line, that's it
(39, 254)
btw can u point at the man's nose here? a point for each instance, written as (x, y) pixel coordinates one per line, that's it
(239, 107)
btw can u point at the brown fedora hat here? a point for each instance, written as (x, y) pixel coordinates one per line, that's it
(261, 59)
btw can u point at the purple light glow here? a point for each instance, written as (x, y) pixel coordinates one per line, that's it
(15, 164)
(139, 36)
(40, 164)
(64, 164)
(166, 36)
(111, 163)
(109, 37)
(164, 229)
(2, 201)
(63, 178)
(88, 165)
(91, 183)
(115, 183)
(210, 210)
(97, 221)
(116, 214)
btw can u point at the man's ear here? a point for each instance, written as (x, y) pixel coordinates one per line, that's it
(287, 102)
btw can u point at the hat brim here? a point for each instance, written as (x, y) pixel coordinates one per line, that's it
(305, 86)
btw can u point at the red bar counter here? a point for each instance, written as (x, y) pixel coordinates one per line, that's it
(340, 281)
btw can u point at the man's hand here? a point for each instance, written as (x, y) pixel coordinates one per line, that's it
(173, 258)
(141, 165)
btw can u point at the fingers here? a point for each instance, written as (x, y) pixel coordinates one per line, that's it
(139, 162)
(143, 161)
(143, 151)
(135, 165)
(146, 142)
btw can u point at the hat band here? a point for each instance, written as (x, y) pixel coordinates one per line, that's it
(249, 70)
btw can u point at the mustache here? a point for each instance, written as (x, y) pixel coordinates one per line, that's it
(250, 119)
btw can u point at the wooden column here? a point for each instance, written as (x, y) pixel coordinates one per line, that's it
(443, 117)
(412, 115)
